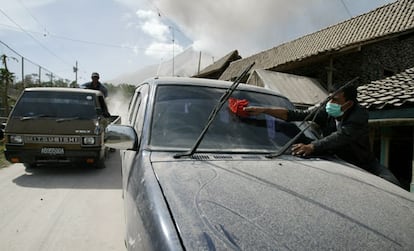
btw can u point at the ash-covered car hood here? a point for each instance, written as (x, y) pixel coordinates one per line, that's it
(240, 202)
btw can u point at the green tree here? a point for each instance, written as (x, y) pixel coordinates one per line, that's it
(73, 84)
(6, 78)
(29, 80)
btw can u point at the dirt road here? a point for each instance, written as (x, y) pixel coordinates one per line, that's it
(62, 208)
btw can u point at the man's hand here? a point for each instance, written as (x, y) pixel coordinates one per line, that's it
(302, 149)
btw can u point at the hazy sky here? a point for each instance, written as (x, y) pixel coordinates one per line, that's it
(114, 37)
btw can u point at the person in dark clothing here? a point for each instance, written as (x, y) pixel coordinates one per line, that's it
(344, 126)
(95, 84)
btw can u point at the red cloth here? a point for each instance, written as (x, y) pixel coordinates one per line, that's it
(237, 105)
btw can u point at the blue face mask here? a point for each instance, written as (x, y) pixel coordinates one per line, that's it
(334, 109)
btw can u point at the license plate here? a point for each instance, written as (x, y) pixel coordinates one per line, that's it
(52, 151)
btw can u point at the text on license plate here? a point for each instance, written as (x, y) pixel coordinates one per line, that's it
(52, 150)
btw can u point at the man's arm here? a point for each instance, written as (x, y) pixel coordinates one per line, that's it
(349, 132)
(277, 112)
(104, 90)
(282, 113)
(346, 135)
(290, 115)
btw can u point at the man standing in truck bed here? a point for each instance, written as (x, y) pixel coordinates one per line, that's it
(95, 84)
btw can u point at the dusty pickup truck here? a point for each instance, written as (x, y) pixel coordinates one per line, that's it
(225, 188)
(58, 125)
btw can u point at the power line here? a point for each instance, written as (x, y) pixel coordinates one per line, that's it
(346, 8)
(97, 43)
(161, 15)
(46, 32)
(155, 6)
(26, 59)
(37, 41)
(34, 18)
(14, 51)
(87, 41)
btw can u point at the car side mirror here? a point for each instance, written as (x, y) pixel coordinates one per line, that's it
(121, 137)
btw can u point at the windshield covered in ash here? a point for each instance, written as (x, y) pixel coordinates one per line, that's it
(181, 112)
(35, 104)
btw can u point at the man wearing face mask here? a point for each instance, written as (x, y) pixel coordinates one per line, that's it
(344, 126)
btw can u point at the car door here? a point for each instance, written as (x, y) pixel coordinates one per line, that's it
(135, 237)
(135, 119)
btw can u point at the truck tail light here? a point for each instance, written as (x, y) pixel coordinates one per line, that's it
(15, 160)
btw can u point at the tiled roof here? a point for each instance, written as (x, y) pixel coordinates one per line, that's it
(298, 89)
(392, 92)
(393, 18)
(219, 64)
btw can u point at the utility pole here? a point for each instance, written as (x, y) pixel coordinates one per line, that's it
(23, 80)
(173, 41)
(199, 63)
(75, 70)
(6, 77)
(40, 75)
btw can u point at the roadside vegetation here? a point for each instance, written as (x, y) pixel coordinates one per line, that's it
(3, 161)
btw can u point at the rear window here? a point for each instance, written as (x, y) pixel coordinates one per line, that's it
(55, 105)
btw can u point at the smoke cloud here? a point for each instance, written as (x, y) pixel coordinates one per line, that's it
(253, 26)
(118, 105)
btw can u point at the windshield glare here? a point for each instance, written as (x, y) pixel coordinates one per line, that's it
(181, 112)
(55, 105)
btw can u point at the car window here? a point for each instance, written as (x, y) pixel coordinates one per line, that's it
(132, 105)
(136, 108)
(181, 112)
(56, 105)
(134, 112)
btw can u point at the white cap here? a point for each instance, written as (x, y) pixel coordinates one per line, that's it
(95, 74)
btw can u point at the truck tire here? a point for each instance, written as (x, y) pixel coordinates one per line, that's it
(30, 166)
(100, 164)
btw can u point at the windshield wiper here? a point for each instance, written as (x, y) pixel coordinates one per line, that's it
(66, 119)
(223, 99)
(315, 114)
(34, 117)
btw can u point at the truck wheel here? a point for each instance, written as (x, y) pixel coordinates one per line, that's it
(29, 166)
(100, 164)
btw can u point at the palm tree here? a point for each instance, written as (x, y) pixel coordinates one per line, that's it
(6, 77)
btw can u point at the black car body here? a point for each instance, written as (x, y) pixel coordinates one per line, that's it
(229, 195)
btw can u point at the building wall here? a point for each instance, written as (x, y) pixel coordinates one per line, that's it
(371, 62)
